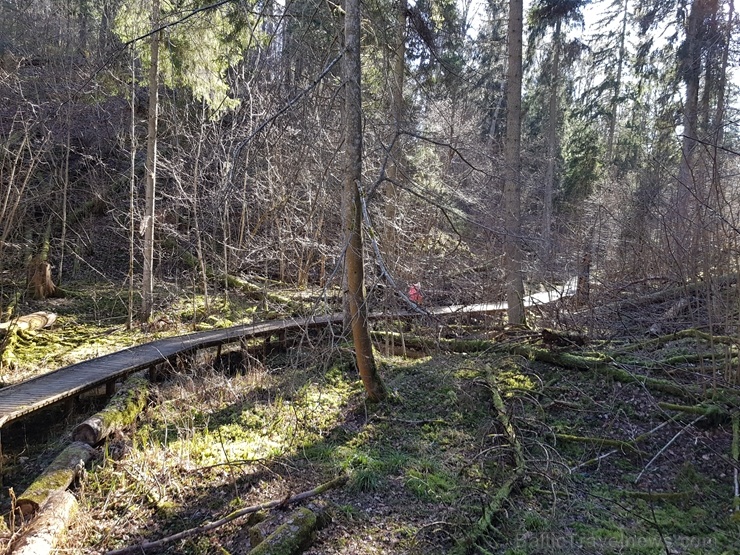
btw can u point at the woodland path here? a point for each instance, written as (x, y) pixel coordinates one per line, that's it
(28, 396)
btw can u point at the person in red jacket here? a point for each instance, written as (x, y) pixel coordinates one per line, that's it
(415, 293)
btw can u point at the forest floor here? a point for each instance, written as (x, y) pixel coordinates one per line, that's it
(619, 443)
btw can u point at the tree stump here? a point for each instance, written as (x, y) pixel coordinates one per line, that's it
(39, 279)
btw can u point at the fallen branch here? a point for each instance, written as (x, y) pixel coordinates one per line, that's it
(598, 441)
(666, 446)
(142, 547)
(40, 537)
(683, 334)
(713, 413)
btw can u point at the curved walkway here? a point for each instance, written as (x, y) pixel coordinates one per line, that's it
(26, 397)
(31, 395)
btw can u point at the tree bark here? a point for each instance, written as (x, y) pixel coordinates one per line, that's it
(45, 532)
(512, 154)
(552, 150)
(121, 411)
(57, 477)
(617, 88)
(147, 293)
(354, 270)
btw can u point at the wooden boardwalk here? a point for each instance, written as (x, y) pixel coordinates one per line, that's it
(26, 397)
(31, 395)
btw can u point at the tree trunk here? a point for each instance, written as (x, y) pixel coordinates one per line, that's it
(147, 293)
(354, 270)
(45, 532)
(395, 162)
(512, 184)
(57, 477)
(121, 411)
(552, 152)
(684, 203)
(617, 88)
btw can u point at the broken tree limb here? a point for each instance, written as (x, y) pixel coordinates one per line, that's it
(291, 537)
(714, 413)
(121, 411)
(49, 527)
(142, 547)
(600, 441)
(57, 477)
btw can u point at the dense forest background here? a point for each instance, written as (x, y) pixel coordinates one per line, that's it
(629, 143)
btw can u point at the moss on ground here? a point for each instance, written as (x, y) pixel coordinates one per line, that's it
(422, 466)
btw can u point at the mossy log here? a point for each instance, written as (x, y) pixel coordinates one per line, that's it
(659, 495)
(599, 441)
(250, 290)
(291, 537)
(121, 411)
(14, 331)
(421, 343)
(57, 477)
(714, 413)
(49, 527)
(690, 333)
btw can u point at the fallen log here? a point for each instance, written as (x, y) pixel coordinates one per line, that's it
(62, 471)
(12, 332)
(121, 411)
(33, 321)
(49, 527)
(291, 537)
